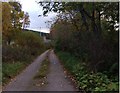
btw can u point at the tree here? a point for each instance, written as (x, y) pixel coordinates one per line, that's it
(11, 19)
(6, 21)
(16, 14)
(90, 12)
(26, 20)
(88, 31)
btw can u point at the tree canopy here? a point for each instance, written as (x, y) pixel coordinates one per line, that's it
(12, 19)
(93, 12)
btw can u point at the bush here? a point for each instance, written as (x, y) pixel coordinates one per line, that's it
(99, 53)
(30, 41)
(26, 46)
(12, 54)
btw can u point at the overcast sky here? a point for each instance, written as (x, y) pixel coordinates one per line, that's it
(37, 23)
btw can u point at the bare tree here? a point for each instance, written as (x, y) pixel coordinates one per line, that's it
(26, 20)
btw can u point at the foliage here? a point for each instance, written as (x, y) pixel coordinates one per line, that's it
(90, 12)
(12, 16)
(87, 31)
(26, 45)
(10, 70)
(30, 40)
(6, 16)
(16, 14)
(86, 80)
(99, 53)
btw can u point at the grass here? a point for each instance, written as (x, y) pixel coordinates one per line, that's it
(43, 71)
(68, 60)
(85, 79)
(40, 78)
(10, 70)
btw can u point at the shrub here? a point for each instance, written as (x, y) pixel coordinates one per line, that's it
(26, 46)
(100, 54)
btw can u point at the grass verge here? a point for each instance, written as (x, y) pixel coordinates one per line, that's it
(43, 71)
(85, 79)
(40, 77)
(10, 70)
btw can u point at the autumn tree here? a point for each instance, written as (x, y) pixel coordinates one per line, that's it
(6, 21)
(12, 17)
(16, 14)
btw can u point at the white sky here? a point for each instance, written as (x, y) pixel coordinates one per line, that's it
(34, 9)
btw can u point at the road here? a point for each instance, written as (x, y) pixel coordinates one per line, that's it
(56, 77)
(21, 82)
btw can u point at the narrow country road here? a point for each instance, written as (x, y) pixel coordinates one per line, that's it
(21, 82)
(56, 77)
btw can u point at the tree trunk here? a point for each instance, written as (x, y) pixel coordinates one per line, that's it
(99, 21)
(93, 19)
(84, 18)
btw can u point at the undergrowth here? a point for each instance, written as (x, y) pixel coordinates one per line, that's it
(87, 80)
